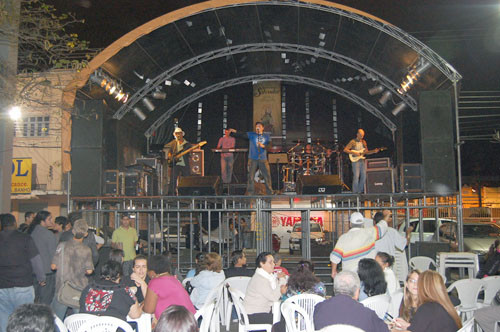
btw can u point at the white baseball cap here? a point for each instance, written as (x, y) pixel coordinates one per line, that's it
(357, 218)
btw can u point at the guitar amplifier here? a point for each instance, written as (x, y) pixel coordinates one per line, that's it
(111, 181)
(196, 162)
(379, 181)
(378, 163)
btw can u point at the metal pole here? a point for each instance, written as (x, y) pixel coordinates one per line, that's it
(460, 234)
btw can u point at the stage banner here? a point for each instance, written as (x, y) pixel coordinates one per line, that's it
(21, 176)
(267, 106)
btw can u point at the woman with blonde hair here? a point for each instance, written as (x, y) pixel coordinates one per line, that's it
(210, 276)
(435, 313)
(409, 304)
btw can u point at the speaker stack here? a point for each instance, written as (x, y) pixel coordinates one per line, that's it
(379, 176)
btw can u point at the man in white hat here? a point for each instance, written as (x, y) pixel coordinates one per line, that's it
(180, 166)
(356, 244)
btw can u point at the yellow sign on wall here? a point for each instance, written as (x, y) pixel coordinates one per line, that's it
(21, 176)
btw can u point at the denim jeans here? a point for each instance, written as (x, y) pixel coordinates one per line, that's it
(358, 176)
(10, 299)
(60, 309)
(263, 165)
(226, 168)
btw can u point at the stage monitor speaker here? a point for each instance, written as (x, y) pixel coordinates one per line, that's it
(199, 186)
(379, 181)
(196, 162)
(436, 132)
(86, 173)
(319, 184)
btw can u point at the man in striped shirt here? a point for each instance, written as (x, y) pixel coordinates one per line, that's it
(356, 244)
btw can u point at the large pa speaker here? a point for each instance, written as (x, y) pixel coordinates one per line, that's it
(86, 172)
(197, 162)
(87, 124)
(199, 186)
(379, 181)
(437, 136)
(319, 184)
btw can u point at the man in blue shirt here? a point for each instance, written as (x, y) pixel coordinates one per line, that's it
(257, 156)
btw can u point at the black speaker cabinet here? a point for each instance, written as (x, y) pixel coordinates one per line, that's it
(319, 184)
(199, 186)
(428, 249)
(410, 177)
(379, 181)
(111, 181)
(196, 162)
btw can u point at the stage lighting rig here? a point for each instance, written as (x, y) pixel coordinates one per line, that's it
(112, 87)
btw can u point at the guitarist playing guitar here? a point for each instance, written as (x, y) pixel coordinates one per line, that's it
(357, 150)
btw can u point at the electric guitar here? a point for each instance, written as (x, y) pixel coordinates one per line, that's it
(184, 152)
(355, 158)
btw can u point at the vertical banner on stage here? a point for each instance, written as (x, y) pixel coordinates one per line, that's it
(267, 106)
(21, 176)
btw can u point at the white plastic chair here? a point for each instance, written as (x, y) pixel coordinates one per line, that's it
(74, 321)
(395, 302)
(243, 323)
(422, 263)
(378, 303)
(400, 267)
(105, 324)
(497, 324)
(60, 325)
(491, 286)
(341, 328)
(143, 322)
(207, 316)
(306, 302)
(468, 326)
(296, 318)
(240, 283)
(468, 291)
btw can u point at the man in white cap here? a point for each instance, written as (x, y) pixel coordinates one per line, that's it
(180, 166)
(356, 244)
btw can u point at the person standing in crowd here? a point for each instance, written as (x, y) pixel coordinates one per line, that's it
(125, 238)
(392, 240)
(88, 240)
(257, 156)
(356, 244)
(344, 308)
(226, 158)
(238, 266)
(357, 150)
(61, 224)
(46, 243)
(73, 262)
(180, 166)
(19, 259)
(28, 218)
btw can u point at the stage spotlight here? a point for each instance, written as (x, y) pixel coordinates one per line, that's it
(385, 98)
(148, 104)
(138, 112)
(375, 90)
(399, 107)
(159, 95)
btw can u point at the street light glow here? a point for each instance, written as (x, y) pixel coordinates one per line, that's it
(15, 113)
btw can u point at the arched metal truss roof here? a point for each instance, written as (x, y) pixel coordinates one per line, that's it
(221, 42)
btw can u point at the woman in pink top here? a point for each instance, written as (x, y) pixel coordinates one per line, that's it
(164, 289)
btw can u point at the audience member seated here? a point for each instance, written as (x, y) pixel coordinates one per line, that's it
(139, 277)
(116, 255)
(277, 264)
(435, 313)
(262, 291)
(409, 304)
(176, 318)
(197, 260)
(107, 297)
(386, 262)
(164, 290)
(238, 266)
(31, 317)
(303, 281)
(209, 277)
(492, 264)
(344, 308)
(372, 278)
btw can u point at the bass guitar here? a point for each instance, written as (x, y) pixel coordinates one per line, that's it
(363, 152)
(184, 152)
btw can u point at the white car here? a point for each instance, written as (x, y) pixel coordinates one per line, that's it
(430, 227)
(295, 241)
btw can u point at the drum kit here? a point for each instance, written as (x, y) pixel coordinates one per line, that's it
(306, 159)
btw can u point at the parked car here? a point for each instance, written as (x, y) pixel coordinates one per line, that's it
(295, 241)
(430, 227)
(478, 237)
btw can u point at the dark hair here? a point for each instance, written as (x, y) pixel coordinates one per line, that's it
(28, 214)
(303, 278)
(31, 317)
(116, 255)
(40, 216)
(258, 122)
(386, 258)
(378, 216)
(140, 257)
(7, 220)
(262, 258)
(493, 247)
(111, 271)
(61, 220)
(74, 216)
(372, 277)
(236, 256)
(176, 318)
(200, 262)
(160, 264)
